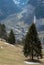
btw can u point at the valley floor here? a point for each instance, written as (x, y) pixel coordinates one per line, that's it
(13, 55)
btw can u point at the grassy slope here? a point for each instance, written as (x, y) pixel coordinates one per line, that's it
(12, 55)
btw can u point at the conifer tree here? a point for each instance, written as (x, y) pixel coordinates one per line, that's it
(11, 37)
(3, 33)
(32, 45)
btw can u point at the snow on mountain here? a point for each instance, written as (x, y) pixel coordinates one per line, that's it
(8, 7)
(20, 3)
(20, 17)
(19, 27)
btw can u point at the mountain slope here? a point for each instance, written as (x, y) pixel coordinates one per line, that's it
(19, 26)
(39, 13)
(7, 7)
(20, 18)
(39, 7)
(11, 55)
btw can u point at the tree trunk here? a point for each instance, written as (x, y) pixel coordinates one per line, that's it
(32, 55)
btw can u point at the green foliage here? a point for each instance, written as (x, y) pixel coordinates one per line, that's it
(11, 37)
(32, 46)
(3, 33)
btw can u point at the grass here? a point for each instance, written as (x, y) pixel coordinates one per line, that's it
(13, 55)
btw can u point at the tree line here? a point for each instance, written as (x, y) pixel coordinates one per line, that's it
(10, 38)
(32, 44)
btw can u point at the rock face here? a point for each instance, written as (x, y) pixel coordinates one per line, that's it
(20, 18)
(8, 7)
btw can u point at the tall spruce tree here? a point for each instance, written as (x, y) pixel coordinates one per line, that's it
(3, 33)
(32, 46)
(11, 37)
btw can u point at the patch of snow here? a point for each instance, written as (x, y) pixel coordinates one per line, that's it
(31, 62)
(9, 44)
(12, 45)
(6, 43)
(1, 47)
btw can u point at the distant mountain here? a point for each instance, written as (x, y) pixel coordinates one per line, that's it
(40, 24)
(39, 7)
(7, 7)
(39, 13)
(19, 26)
(20, 17)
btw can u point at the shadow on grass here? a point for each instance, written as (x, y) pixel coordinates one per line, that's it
(34, 60)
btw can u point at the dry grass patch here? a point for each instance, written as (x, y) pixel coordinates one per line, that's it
(12, 55)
